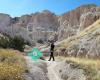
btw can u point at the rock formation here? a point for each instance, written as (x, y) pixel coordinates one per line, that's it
(86, 43)
(34, 27)
(70, 23)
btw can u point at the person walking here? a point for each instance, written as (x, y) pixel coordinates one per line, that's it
(52, 51)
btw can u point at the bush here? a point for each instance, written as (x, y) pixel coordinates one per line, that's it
(4, 42)
(40, 41)
(17, 43)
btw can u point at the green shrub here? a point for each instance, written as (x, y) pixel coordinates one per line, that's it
(4, 42)
(40, 41)
(17, 43)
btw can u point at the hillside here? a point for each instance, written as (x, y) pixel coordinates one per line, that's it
(77, 20)
(42, 26)
(85, 43)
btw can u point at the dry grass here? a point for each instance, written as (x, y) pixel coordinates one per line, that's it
(12, 65)
(91, 63)
(91, 67)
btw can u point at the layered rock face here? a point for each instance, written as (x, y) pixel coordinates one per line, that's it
(86, 43)
(81, 38)
(5, 21)
(88, 19)
(44, 24)
(34, 27)
(74, 21)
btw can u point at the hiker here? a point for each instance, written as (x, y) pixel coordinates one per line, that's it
(52, 51)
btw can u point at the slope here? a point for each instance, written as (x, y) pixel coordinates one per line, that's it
(86, 41)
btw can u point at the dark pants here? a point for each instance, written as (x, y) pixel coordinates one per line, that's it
(51, 56)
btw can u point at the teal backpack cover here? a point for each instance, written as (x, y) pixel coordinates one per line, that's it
(35, 54)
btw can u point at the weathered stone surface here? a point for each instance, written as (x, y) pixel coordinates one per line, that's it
(5, 21)
(70, 23)
(86, 43)
(88, 19)
(66, 72)
(32, 27)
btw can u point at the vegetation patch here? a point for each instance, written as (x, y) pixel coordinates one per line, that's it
(12, 65)
(16, 43)
(91, 67)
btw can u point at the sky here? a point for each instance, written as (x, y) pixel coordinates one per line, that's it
(17, 8)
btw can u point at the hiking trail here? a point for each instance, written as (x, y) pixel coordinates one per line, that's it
(52, 74)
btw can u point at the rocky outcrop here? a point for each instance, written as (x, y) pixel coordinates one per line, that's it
(5, 21)
(45, 20)
(70, 22)
(88, 19)
(40, 26)
(86, 43)
(66, 72)
(34, 27)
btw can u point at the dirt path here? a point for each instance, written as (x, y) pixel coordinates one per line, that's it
(52, 75)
